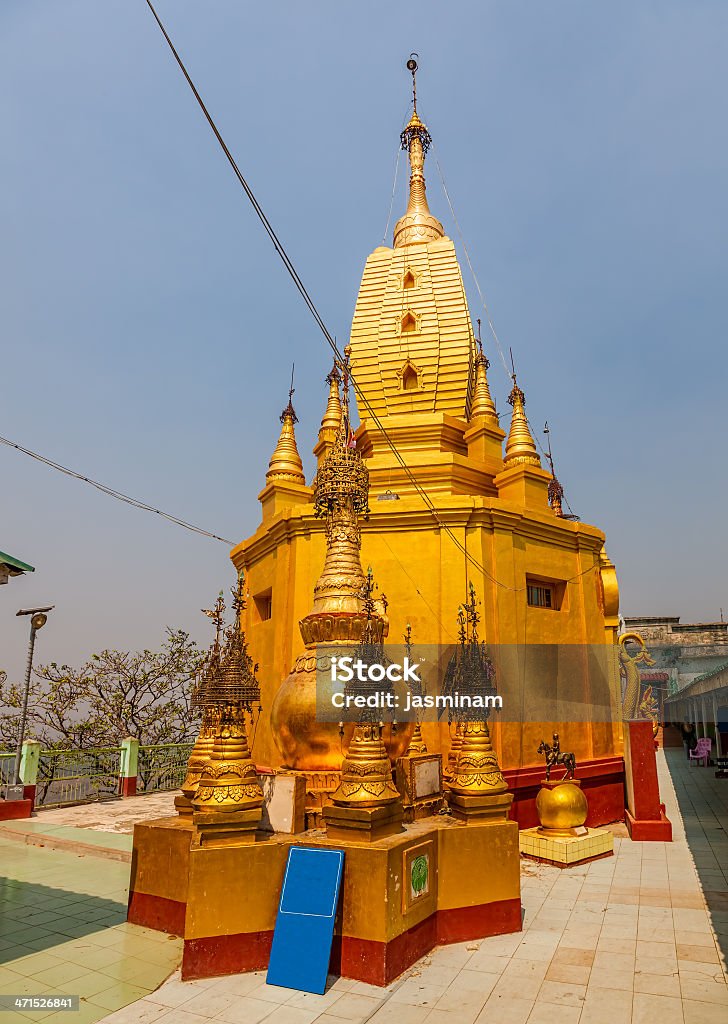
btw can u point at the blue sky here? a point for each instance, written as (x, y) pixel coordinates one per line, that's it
(148, 328)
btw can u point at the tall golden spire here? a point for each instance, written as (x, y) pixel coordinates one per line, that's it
(520, 446)
(331, 419)
(418, 224)
(332, 416)
(285, 462)
(341, 496)
(482, 403)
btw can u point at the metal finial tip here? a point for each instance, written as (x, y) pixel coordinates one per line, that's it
(412, 63)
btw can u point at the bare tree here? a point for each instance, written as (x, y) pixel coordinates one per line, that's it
(115, 694)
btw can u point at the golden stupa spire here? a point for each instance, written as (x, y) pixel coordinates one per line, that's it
(341, 496)
(520, 446)
(332, 416)
(482, 403)
(285, 462)
(418, 224)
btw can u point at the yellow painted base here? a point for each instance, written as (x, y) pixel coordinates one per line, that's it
(564, 849)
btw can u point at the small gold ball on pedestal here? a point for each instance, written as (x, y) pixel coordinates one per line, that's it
(561, 806)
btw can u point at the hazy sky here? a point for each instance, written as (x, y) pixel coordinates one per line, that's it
(148, 328)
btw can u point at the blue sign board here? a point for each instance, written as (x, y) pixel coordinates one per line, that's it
(304, 927)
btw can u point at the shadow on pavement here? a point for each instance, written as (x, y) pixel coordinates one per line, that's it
(703, 803)
(38, 917)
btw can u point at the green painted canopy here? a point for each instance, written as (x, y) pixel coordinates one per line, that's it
(14, 565)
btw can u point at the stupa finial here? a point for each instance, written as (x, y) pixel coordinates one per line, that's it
(332, 415)
(418, 224)
(285, 462)
(482, 404)
(520, 446)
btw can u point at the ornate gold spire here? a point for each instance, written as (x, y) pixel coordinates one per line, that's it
(229, 781)
(520, 446)
(202, 750)
(482, 404)
(341, 495)
(285, 462)
(418, 224)
(332, 416)
(366, 772)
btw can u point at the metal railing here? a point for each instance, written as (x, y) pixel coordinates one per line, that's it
(7, 772)
(77, 776)
(162, 767)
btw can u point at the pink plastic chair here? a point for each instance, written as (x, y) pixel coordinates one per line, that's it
(702, 750)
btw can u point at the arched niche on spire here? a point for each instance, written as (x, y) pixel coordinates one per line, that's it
(409, 323)
(410, 377)
(409, 279)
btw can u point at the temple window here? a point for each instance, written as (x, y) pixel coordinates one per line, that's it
(409, 323)
(409, 378)
(540, 595)
(263, 605)
(408, 281)
(545, 593)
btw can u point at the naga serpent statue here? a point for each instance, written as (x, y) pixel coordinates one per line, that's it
(628, 667)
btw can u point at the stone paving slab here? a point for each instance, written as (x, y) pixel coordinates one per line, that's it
(110, 815)
(63, 931)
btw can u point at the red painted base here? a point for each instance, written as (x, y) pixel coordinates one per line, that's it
(157, 912)
(602, 781)
(646, 831)
(11, 810)
(127, 787)
(377, 963)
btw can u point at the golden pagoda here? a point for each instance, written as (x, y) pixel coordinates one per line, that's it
(450, 502)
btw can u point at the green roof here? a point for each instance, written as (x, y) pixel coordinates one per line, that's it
(15, 563)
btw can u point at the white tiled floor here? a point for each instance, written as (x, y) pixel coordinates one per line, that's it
(625, 939)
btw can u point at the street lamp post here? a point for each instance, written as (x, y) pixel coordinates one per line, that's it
(37, 621)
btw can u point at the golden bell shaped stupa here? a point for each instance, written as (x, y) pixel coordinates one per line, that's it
(285, 462)
(482, 403)
(476, 767)
(520, 446)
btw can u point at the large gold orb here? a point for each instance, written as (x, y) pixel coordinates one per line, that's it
(314, 746)
(561, 807)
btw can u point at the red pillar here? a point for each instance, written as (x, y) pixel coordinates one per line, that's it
(644, 814)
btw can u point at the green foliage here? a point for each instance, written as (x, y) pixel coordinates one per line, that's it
(145, 694)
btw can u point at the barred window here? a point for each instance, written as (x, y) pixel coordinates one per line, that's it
(540, 595)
